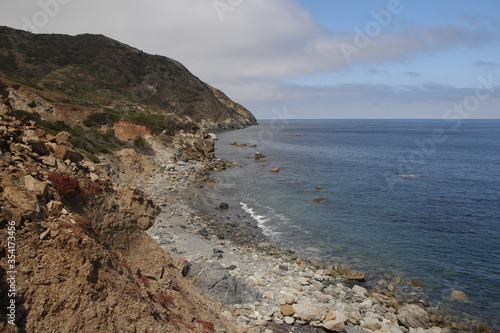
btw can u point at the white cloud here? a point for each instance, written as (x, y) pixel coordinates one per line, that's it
(248, 53)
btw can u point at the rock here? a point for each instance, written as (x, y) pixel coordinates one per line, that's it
(320, 297)
(351, 274)
(258, 156)
(145, 222)
(203, 232)
(181, 264)
(287, 310)
(374, 327)
(458, 295)
(366, 304)
(412, 315)
(62, 138)
(481, 328)
(44, 234)
(275, 170)
(337, 324)
(223, 205)
(66, 153)
(49, 161)
(417, 283)
(318, 200)
(320, 188)
(215, 280)
(39, 147)
(268, 296)
(308, 311)
(359, 291)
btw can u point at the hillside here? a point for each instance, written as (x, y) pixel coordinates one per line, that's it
(72, 77)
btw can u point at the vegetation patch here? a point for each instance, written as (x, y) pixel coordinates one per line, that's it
(89, 141)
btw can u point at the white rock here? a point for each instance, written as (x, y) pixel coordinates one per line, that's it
(289, 320)
(309, 311)
(318, 277)
(268, 296)
(366, 304)
(359, 291)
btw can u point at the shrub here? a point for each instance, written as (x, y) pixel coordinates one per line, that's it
(21, 114)
(190, 127)
(166, 300)
(155, 122)
(145, 280)
(126, 265)
(67, 186)
(32, 104)
(101, 118)
(91, 188)
(85, 223)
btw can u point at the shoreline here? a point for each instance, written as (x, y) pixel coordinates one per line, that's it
(191, 226)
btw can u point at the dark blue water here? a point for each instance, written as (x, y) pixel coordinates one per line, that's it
(421, 198)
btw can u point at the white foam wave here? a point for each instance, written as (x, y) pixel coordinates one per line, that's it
(261, 220)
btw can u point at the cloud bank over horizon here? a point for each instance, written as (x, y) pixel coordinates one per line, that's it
(379, 59)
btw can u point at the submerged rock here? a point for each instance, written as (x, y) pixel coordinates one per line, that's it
(319, 200)
(458, 295)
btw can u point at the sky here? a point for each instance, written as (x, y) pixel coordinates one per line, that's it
(307, 58)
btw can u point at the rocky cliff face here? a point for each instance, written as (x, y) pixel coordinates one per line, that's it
(79, 259)
(71, 77)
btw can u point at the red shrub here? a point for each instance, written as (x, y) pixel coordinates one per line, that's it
(206, 324)
(127, 266)
(67, 186)
(166, 300)
(145, 280)
(85, 223)
(92, 188)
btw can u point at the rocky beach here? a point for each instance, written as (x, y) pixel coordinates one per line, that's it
(268, 289)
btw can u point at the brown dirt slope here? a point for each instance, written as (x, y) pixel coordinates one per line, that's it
(80, 258)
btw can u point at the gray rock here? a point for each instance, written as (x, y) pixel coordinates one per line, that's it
(215, 280)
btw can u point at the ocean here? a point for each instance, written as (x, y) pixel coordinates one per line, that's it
(414, 198)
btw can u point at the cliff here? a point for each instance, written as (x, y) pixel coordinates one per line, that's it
(82, 119)
(78, 258)
(71, 77)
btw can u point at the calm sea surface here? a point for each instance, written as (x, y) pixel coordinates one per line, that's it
(416, 198)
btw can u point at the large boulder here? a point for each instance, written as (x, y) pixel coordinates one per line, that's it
(411, 315)
(215, 280)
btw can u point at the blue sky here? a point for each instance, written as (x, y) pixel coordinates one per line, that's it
(308, 58)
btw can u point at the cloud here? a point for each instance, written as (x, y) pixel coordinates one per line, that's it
(412, 74)
(490, 64)
(257, 38)
(257, 45)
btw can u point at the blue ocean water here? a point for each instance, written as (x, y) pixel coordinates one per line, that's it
(416, 197)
